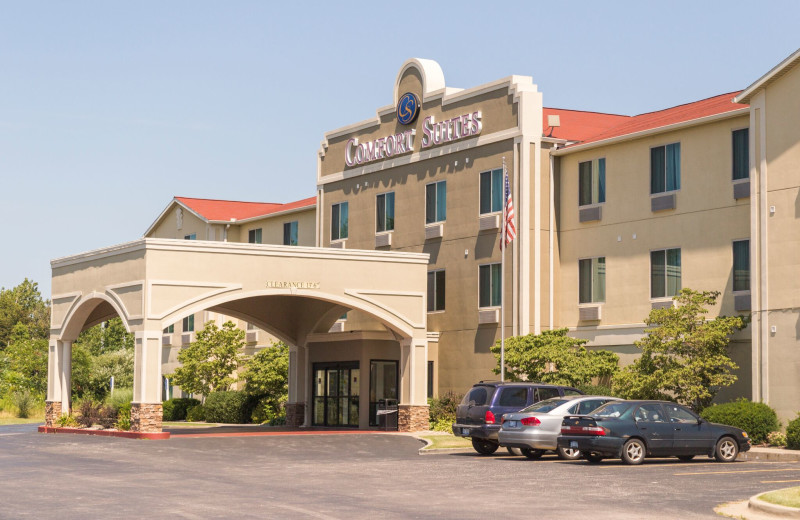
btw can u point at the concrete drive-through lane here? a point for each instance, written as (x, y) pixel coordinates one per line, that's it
(347, 476)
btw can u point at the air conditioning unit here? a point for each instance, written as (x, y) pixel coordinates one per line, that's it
(741, 302)
(166, 340)
(590, 313)
(488, 316)
(741, 190)
(662, 202)
(337, 245)
(665, 304)
(488, 222)
(187, 338)
(434, 231)
(383, 240)
(252, 336)
(590, 214)
(337, 327)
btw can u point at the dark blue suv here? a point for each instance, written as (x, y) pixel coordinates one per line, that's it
(481, 411)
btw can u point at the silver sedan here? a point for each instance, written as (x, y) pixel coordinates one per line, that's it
(536, 428)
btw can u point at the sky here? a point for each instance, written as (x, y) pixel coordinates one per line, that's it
(110, 109)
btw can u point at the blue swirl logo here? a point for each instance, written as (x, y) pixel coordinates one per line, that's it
(407, 109)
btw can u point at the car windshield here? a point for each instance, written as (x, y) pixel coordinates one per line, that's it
(611, 410)
(545, 406)
(478, 396)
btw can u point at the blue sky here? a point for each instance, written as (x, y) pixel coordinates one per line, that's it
(109, 109)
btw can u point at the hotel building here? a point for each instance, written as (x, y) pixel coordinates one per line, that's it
(387, 283)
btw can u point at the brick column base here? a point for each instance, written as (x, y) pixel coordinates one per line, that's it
(295, 414)
(52, 412)
(412, 418)
(146, 417)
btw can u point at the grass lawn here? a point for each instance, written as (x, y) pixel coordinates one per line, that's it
(445, 440)
(16, 420)
(789, 497)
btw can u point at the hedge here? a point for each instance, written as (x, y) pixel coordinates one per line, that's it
(175, 409)
(227, 407)
(793, 434)
(757, 419)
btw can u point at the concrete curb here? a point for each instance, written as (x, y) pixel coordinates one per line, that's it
(770, 455)
(757, 504)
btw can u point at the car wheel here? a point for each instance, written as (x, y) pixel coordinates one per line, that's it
(568, 454)
(484, 447)
(685, 458)
(726, 450)
(591, 457)
(531, 453)
(633, 452)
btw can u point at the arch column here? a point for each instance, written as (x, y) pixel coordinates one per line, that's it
(146, 408)
(413, 410)
(59, 380)
(296, 405)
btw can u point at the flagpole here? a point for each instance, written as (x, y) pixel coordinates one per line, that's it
(503, 283)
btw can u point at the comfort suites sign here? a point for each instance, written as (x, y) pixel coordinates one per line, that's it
(434, 133)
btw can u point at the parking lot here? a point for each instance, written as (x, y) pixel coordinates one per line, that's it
(348, 476)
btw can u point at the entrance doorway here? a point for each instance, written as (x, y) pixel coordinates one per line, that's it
(383, 378)
(336, 394)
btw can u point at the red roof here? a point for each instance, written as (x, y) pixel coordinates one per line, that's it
(212, 209)
(670, 116)
(579, 126)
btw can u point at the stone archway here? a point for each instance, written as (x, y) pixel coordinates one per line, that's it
(293, 292)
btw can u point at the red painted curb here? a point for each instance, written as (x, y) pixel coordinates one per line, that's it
(106, 433)
(266, 434)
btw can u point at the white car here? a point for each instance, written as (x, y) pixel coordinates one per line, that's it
(536, 428)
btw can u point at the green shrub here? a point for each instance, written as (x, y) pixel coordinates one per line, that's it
(123, 417)
(264, 412)
(196, 413)
(67, 421)
(776, 439)
(442, 412)
(24, 401)
(119, 398)
(227, 407)
(590, 389)
(793, 434)
(175, 409)
(757, 419)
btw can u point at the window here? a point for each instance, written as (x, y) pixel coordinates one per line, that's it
(385, 212)
(489, 285)
(592, 280)
(513, 397)
(170, 329)
(430, 379)
(250, 326)
(665, 168)
(665, 273)
(290, 233)
(680, 414)
(254, 236)
(741, 265)
(193, 236)
(188, 323)
(491, 191)
(436, 202)
(650, 413)
(339, 221)
(436, 290)
(545, 393)
(741, 154)
(478, 396)
(592, 182)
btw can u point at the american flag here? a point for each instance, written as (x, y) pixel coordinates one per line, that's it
(509, 229)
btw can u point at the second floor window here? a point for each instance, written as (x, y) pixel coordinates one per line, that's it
(665, 168)
(436, 202)
(592, 182)
(290, 233)
(665, 273)
(339, 221)
(436, 290)
(254, 236)
(170, 329)
(489, 285)
(492, 191)
(188, 323)
(592, 280)
(385, 212)
(741, 154)
(193, 236)
(741, 265)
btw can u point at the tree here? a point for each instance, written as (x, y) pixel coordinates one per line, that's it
(24, 365)
(267, 375)
(109, 336)
(209, 362)
(553, 357)
(684, 355)
(24, 304)
(100, 353)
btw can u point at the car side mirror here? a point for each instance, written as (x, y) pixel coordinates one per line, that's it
(700, 420)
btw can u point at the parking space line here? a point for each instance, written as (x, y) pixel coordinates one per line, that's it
(778, 481)
(738, 471)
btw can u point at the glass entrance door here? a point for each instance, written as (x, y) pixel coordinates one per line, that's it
(336, 394)
(382, 386)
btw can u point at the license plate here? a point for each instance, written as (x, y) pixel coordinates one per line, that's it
(464, 431)
(573, 444)
(511, 424)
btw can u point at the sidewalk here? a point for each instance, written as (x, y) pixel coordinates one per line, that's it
(759, 454)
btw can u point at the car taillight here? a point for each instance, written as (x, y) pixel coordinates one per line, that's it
(489, 417)
(583, 430)
(530, 421)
